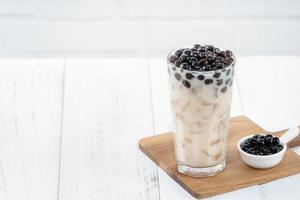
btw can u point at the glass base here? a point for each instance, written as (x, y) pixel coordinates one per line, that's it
(201, 171)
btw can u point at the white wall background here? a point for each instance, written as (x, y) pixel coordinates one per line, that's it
(147, 28)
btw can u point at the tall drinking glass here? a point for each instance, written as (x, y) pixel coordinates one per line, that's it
(200, 103)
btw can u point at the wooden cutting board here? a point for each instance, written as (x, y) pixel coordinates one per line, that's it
(236, 175)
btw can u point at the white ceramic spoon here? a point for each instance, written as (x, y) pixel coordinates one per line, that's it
(265, 162)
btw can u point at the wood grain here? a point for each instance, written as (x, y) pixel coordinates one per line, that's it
(236, 174)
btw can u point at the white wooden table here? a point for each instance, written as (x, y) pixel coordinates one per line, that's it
(69, 128)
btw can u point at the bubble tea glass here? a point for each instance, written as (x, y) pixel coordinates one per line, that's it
(200, 104)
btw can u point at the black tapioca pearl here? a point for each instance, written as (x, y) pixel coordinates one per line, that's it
(178, 63)
(227, 81)
(203, 49)
(231, 82)
(210, 58)
(210, 48)
(224, 89)
(193, 59)
(187, 52)
(196, 46)
(201, 77)
(275, 141)
(219, 82)
(195, 54)
(183, 57)
(222, 54)
(228, 52)
(186, 83)
(174, 68)
(202, 62)
(195, 64)
(208, 81)
(219, 66)
(217, 75)
(228, 72)
(189, 76)
(219, 58)
(207, 68)
(217, 50)
(203, 54)
(173, 58)
(196, 68)
(177, 76)
(178, 53)
(185, 66)
(228, 61)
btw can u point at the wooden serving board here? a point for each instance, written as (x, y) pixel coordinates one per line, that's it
(236, 175)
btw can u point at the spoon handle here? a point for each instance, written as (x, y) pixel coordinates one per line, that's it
(295, 142)
(289, 135)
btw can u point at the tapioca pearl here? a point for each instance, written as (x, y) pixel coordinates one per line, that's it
(210, 48)
(189, 76)
(224, 89)
(197, 46)
(203, 55)
(228, 61)
(186, 83)
(208, 81)
(195, 67)
(227, 81)
(178, 76)
(173, 58)
(207, 68)
(217, 50)
(174, 68)
(178, 53)
(183, 58)
(178, 63)
(231, 82)
(201, 77)
(187, 52)
(222, 54)
(228, 72)
(193, 59)
(217, 75)
(219, 82)
(219, 66)
(203, 62)
(228, 53)
(185, 66)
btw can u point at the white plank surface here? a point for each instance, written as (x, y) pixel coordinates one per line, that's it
(107, 108)
(30, 119)
(72, 133)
